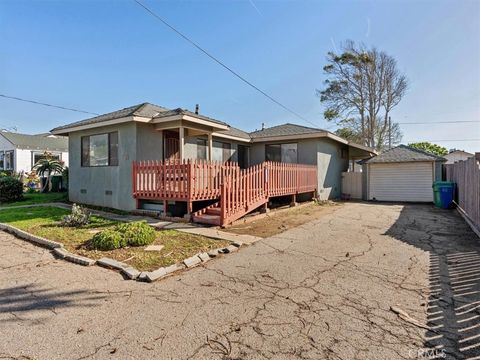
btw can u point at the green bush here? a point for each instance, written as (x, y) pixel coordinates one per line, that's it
(137, 233)
(11, 189)
(108, 239)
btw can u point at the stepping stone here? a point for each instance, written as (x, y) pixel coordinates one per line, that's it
(154, 248)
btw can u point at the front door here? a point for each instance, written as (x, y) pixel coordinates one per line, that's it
(171, 145)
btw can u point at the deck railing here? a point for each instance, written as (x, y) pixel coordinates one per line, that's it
(193, 180)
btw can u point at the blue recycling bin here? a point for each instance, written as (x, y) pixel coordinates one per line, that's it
(443, 192)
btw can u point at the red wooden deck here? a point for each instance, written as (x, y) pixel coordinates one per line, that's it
(239, 191)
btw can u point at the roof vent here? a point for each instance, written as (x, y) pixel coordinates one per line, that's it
(197, 108)
(263, 126)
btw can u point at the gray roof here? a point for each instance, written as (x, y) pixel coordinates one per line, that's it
(180, 111)
(37, 142)
(284, 130)
(402, 153)
(144, 110)
(235, 132)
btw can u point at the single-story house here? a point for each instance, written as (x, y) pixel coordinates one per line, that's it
(20, 152)
(149, 157)
(401, 174)
(457, 155)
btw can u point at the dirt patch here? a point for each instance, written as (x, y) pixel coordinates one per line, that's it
(278, 221)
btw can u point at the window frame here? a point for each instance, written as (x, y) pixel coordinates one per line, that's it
(12, 160)
(280, 147)
(112, 159)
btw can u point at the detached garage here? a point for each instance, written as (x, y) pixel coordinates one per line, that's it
(401, 174)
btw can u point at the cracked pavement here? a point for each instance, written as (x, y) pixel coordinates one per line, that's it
(323, 290)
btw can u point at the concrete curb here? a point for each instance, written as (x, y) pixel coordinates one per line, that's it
(49, 244)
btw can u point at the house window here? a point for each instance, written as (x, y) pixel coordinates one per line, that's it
(221, 151)
(202, 149)
(100, 150)
(2, 161)
(286, 153)
(37, 156)
(8, 160)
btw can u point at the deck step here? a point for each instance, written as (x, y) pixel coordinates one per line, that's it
(214, 211)
(207, 219)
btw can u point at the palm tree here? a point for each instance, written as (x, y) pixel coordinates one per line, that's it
(47, 166)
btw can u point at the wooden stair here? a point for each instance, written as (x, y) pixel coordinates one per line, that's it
(211, 215)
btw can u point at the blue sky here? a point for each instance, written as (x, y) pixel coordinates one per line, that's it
(105, 55)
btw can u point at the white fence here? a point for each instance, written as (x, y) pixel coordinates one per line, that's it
(352, 184)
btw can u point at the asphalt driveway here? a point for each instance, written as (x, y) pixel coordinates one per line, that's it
(365, 282)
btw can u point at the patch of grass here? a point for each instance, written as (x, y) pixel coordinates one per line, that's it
(45, 222)
(38, 198)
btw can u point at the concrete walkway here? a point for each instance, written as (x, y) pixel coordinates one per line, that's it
(324, 290)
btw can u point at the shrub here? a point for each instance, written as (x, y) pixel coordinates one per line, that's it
(137, 233)
(11, 189)
(109, 239)
(80, 216)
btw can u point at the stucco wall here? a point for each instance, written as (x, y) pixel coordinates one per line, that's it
(330, 168)
(149, 142)
(89, 185)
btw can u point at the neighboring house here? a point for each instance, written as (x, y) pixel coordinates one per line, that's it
(106, 153)
(401, 174)
(457, 155)
(20, 152)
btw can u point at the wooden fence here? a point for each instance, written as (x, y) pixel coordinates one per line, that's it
(466, 174)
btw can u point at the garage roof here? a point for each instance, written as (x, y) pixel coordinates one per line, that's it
(402, 153)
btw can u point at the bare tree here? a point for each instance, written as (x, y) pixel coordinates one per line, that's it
(362, 88)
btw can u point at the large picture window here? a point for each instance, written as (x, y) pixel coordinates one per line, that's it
(37, 156)
(221, 151)
(286, 153)
(100, 150)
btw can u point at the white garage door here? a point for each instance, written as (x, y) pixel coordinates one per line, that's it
(401, 182)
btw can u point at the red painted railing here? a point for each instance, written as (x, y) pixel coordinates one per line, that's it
(239, 190)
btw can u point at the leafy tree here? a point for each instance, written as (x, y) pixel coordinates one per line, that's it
(362, 88)
(46, 167)
(429, 147)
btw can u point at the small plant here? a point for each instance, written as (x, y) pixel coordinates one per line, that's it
(11, 189)
(137, 233)
(108, 239)
(80, 216)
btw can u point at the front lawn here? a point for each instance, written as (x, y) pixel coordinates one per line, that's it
(38, 198)
(45, 222)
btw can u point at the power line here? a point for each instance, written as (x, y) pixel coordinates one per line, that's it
(447, 140)
(440, 122)
(219, 62)
(45, 104)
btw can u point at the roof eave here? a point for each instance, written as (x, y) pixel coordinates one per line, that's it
(64, 131)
